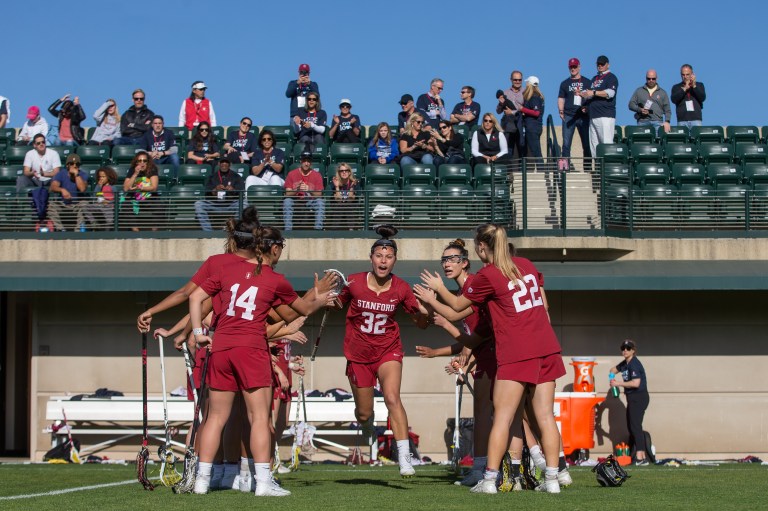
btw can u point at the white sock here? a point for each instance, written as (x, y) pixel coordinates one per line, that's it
(538, 457)
(204, 469)
(403, 451)
(245, 465)
(490, 474)
(551, 473)
(263, 473)
(478, 463)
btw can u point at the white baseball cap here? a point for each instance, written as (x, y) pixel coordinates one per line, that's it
(532, 80)
(345, 100)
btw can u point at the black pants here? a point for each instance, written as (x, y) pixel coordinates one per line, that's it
(637, 403)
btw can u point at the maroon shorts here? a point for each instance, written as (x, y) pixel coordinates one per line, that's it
(534, 370)
(279, 393)
(197, 373)
(364, 375)
(240, 368)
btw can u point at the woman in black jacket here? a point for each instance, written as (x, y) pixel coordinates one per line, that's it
(70, 115)
(448, 145)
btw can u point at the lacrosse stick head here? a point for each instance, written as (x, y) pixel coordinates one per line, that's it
(169, 476)
(141, 468)
(187, 482)
(341, 283)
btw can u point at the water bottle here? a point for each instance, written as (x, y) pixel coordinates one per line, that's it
(614, 390)
(82, 227)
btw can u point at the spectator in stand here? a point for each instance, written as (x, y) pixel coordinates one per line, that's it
(466, 112)
(415, 146)
(572, 112)
(135, 122)
(40, 165)
(489, 143)
(298, 90)
(511, 121)
(35, 125)
(268, 163)
(431, 105)
(140, 187)
(70, 115)
(241, 143)
(203, 147)
(107, 119)
(343, 190)
(71, 183)
(533, 113)
(5, 111)
(688, 97)
(310, 122)
(383, 147)
(408, 108)
(448, 145)
(197, 108)
(304, 188)
(222, 191)
(601, 105)
(346, 126)
(99, 214)
(161, 145)
(651, 104)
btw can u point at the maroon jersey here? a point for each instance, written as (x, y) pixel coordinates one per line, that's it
(245, 301)
(520, 322)
(479, 322)
(212, 266)
(372, 331)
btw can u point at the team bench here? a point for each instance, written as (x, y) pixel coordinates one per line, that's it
(119, 418)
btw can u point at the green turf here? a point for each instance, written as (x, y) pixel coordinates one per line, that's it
(338, 487)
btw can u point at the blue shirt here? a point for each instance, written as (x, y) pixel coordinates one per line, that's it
(65, 181)
(633, 370)
(600, 106)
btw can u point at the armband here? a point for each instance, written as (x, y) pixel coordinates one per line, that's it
(197, 331)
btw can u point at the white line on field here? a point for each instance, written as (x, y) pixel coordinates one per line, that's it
(68, 490)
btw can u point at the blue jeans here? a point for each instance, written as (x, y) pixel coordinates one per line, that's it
(570, 125)
(655, 124)
(173, 159)
(204, 207)
(689, 124)
(128, 141)
(427, 159)
(316, 205)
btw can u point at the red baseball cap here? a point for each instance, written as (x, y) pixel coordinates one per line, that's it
(574, 62)
(33, 112)
(304, 68)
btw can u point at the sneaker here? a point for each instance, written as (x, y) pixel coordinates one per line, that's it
(246, 483)
(471, 479)
(564, 478)
(549, 486)
(406, 469)
(642, 463)
(202, 483)
(484, 486)
(282, 469)
(270, 489)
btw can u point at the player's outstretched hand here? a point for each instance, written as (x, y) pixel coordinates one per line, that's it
(299, 337)
(432, 280)
(144, 321)
(326, 284)
(425, 351)
(295, 325)
(161, 332)
(424, 293)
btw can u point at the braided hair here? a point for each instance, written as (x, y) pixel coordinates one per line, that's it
(386, 231)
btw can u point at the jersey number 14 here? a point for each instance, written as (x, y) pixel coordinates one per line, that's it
(246, 301)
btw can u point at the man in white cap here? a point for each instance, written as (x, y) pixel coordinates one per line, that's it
(298, 89)
(197, 108)
(346, 125)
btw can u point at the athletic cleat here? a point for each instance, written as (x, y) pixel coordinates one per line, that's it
(471, 479)
(642, 463)
(202, 484)
(406, 469)
(270, 489)
(282, 469)
(549, 486)
(564, 478)
(484, 486)
(246, 483)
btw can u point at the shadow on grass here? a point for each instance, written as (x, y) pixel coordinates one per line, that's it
(372, 482)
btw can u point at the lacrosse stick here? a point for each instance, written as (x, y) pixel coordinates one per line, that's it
(189, 363)
(340, 284)
(187, 482)
(169, 476)
(74, 456)
(143, 457)
(456, 459)
(302, 431)
(295, 448)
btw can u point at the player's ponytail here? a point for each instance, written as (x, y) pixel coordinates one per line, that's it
(495, 238)
(266, 237)
(386, 231)
(240, 232)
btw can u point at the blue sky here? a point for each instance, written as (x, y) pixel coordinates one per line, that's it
(246, 52)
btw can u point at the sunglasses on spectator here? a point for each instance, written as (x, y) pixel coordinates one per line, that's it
(266, 138)
(572, 67)
(517, 79)
(487, 120)
(625, 348)
(650, 79)
(345, 170)
(138, 99)
(206, 130)
(439, 88)
(418, 122)
(443, 127)
(39, 143)
(142, 160)
(246, 124)
(72, 164)
(465, 92)
(311, 99)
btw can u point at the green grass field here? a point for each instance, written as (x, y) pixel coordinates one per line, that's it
(339, 487)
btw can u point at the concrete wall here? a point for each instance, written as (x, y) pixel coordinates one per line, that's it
(709, 395)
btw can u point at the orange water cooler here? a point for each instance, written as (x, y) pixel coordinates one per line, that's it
(575, 417)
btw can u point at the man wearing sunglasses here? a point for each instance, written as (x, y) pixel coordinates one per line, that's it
(601, 104)
(298, 89)
(135, 121)
(467, 111)
(511, 120)
(40, 165)
(161, 144)
(71, 183)
(408, 107)
(651, 104)
(431, 105)
(572, 113)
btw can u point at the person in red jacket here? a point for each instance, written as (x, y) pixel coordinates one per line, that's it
(197, 108)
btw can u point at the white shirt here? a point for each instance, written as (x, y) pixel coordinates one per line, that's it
(47, 162)
(183, 113)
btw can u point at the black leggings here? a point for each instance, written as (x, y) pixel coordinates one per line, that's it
(637, 403)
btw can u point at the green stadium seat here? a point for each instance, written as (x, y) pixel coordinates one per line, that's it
(352, 153)
(463, 130)
(419, 202)
(455, 201)
(740, 134)
(91, 170)
(219, 132)
(14, 155)
(681, 153)
(617, 205)
(696, 201)
(718, 173)
(756, 173)
(122, 172)
(492, 204)
(287, 147)
(618, 173)
(319, 152)
(269, 202)
(7, 137)
(764, 134)
(181, 205)
(752, 153)
(254, 129)
(9, 174)
(454, 173)
(418, 173)
(642, 134)
(190, 174)
(64, 151)
(283, 133)
(647, 173)
(124, 153)
(716, 153)
(676, 134)
(646, 153)
(613, 153)
(181, 135)
(484, 174)
(659, 202)
(618, 135)
(242, 169)
(383, 200)
(732, 190)
(98, 154)
(687, 173)
(376, 173)
(707, 134)
(166, 175)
